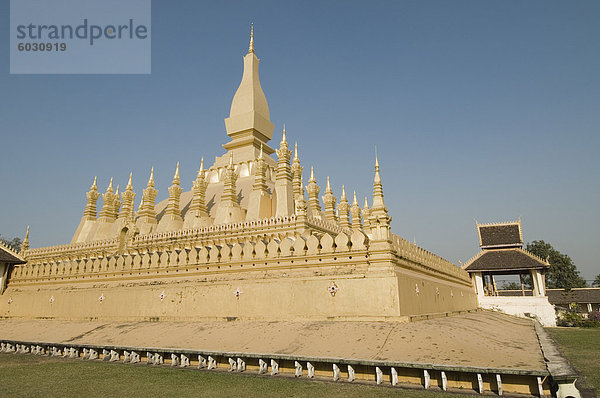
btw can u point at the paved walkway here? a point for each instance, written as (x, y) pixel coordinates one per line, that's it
(481, 339)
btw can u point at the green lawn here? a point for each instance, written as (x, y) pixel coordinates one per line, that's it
(37, 376)
(582, 348)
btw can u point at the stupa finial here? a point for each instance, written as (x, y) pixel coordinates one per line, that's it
(328, 188)
(343, 197)
(251, 48)
(110, 185)
(129, 186)
(355, 202)
(176, 180)
(296, 150)
(283, 143)
(151, 179)
(94, 186)
(312, 175)
(25, 243)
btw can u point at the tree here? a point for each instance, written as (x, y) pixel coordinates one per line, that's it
(14, 243)
(596, 282)
(511, 286)
(563, 273)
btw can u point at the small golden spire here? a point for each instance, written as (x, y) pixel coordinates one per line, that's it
(25, 243)
(94, 186)
(110, 186)
(176, 180)
(201, 169)
(129, 186)
(312, 175)
(377, 176)
(151, 179)
(328, 189)
(296, 151)
(343, 194)
(117, 192)
(251, 48)
(366, 203)
(283, 138)
(354, 202)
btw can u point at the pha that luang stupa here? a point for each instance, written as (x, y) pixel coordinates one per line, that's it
(250, 271)
(247, 241)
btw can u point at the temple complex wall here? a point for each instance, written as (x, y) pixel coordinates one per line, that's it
(219, 274)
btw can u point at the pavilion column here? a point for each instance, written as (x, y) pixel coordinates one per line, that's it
(478, 281)
(538, 283)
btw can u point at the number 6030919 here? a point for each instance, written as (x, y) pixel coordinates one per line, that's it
(42, 46)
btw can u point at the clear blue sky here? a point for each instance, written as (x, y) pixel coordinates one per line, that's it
(486, 110)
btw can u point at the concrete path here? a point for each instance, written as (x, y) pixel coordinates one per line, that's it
(481, 339)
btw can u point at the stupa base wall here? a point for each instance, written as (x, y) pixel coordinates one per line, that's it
(341, 295)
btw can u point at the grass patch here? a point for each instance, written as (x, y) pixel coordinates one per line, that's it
(582, 348)
(31, 375)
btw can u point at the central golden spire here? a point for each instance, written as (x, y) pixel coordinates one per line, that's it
(251, 48)
(249, 124)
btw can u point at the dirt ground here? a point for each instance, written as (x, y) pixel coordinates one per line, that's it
(481, 339)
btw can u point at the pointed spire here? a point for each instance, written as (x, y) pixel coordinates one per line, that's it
(146, 210)
(25, 243)
(129, 186)
(117, 191)
(377, 176)
(176, 180)
(378, 189)
(107, 213)
(356, 214)
(366, 212)
(197, 211)
(283, 137)
(329, 202)
(314, 206)
(128, 197)
(201, 173)
(328, 187)
(344, 210)
(297, 173)
(172, 219)
(379, 213)
(251, 48)
(92, 196)
(151, 179)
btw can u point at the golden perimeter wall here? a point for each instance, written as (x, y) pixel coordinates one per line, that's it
(278, 268)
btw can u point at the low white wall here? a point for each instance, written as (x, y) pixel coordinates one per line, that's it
(526, 307)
